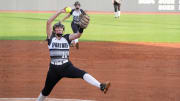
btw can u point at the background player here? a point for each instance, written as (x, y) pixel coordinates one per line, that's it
(60, 65)
(117, 5)
(74, 25)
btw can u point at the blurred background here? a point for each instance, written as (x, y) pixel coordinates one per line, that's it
(93, 5)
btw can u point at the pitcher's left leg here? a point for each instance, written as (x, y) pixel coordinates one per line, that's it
(73, 72)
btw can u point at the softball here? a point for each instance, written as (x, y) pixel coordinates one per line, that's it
(68, 9)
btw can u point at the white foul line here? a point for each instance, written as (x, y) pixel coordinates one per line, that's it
(33, 99)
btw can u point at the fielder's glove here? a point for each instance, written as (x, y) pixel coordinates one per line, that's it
(84, 21)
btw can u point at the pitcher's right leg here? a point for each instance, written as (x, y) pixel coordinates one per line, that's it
(51, 80)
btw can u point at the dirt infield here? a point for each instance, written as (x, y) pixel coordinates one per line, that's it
(137, 71)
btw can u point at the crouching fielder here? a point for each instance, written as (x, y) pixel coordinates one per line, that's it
(60, 65)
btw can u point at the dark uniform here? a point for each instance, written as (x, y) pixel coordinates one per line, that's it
(60, 66)
(117, 4)
(76, 13)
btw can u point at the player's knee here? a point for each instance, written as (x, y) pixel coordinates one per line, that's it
(115, 9)
(81, 74)
(84, 75)
(46, 92)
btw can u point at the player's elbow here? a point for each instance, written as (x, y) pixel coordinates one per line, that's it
(78, 35)
(48, 22)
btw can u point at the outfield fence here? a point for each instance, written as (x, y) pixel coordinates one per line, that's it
(93, 5)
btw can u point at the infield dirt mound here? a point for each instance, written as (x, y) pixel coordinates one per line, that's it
(137, 71)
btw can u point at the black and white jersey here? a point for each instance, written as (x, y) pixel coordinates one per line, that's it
(76, 13)
(118, 1)
(59, 48)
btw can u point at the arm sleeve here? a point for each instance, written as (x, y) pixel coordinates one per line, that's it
(67, 38)
(82, 11)
(72, 11)
(50, 39)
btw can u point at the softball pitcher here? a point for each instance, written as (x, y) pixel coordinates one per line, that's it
(60, 66)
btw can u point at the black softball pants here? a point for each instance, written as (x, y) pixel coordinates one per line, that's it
(75, 27)
(57, 72)
(117, 7)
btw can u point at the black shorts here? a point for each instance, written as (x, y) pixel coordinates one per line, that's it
(57, 72)
(117, 6)
(75, 27)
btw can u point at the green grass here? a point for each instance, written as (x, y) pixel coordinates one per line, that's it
(129, 28)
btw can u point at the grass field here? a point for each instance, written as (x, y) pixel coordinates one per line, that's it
(129, 28)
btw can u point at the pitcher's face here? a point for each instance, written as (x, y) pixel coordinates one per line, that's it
(59, 30)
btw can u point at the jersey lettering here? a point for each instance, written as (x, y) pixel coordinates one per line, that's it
(59, 49)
